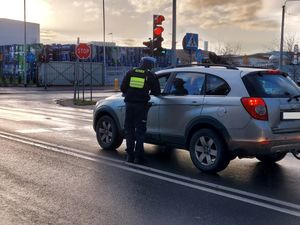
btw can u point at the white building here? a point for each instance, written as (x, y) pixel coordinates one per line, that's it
(12, 32)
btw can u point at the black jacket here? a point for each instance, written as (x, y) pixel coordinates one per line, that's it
(138, 84)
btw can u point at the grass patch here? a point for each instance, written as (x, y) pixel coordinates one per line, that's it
(81, 102)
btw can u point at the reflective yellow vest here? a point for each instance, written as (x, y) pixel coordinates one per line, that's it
(137, 82)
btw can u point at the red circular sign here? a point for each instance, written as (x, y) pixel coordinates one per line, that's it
(83, 51)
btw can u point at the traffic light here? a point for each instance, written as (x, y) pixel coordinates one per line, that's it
(157, 35)
(149, 49)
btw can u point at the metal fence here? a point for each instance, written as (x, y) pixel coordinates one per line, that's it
(113, 73)
(69, 73)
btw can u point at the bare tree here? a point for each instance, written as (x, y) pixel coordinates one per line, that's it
(293, 70)
(228, 50)
(288, 47)
(290, 42)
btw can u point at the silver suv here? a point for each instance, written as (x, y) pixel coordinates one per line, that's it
(215, 112)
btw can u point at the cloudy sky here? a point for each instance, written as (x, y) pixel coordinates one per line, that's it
(253, 24)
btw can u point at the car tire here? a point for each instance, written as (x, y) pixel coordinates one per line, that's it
(208, 151)
(108, 135)
(272, 158)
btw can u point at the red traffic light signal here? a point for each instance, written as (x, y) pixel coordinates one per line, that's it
(157, 31)
(158, 19)
(157, 34)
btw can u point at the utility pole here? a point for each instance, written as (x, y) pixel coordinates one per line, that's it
(282, 32)
(174, 57)
(281, 39)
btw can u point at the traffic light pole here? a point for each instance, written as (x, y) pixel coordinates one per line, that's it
(174, 57)
(151, 47)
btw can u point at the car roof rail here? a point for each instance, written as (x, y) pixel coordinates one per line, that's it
(258, 67)
(207, 65)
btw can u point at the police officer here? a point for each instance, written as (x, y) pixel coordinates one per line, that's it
(137, 86)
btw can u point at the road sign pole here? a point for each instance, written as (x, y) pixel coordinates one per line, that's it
(83, 81)
(91, 70)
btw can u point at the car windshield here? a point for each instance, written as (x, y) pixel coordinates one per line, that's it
(270, 85)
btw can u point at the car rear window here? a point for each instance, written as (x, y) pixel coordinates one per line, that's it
(270, 85)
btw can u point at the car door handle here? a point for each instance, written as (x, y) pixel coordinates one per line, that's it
(195, 103)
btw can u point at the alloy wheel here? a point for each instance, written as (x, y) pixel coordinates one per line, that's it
(206, 150)
(105, 131)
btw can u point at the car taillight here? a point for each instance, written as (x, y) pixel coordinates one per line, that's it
(256, 107)
(273, 72)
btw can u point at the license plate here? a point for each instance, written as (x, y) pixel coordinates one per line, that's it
(291, 115)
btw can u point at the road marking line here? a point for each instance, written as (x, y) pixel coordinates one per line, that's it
(56, 115)
(58, 129)
(33, 131)
(243, 196)
(69, 111)
(63, 128)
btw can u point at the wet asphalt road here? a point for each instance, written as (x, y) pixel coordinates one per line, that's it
(53, 172)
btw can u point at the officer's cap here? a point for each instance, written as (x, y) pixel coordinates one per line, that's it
(148, 62)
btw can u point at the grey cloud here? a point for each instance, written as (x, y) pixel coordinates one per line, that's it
(146, 5)
(91, 10)
(219, 13)
(129, 42)
(47, 35)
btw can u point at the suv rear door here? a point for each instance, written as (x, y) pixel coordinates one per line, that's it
(281, 96)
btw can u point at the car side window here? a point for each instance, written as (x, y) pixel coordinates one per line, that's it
(163, 78)
(187, 83)
(216, 86)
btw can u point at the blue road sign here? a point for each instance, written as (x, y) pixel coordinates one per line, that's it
(199, 55)
(190, 41)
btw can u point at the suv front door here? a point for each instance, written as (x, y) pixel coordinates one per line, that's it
(152, 134)
(178, 108)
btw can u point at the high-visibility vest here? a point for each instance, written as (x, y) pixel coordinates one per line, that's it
(137, 82)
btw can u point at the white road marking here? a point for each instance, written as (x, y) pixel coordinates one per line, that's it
(83, 139)
(63, 128)
(32, 114)
(65, 108)
(236, 194)
(55, 129)
(32, 131)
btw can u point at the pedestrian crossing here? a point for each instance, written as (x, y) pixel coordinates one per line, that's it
(51, 129)
(51, 118)
(31, 114)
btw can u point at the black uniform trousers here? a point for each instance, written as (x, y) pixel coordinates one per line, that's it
(135, 127)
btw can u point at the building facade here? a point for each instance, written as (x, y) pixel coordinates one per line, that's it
(12, 32)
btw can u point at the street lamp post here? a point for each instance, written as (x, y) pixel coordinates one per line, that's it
(25, 46)
(104, 53)
(282, 31)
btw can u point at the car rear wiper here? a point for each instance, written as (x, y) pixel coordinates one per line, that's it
(295, 97)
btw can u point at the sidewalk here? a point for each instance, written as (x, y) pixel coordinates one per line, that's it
(33, 89)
